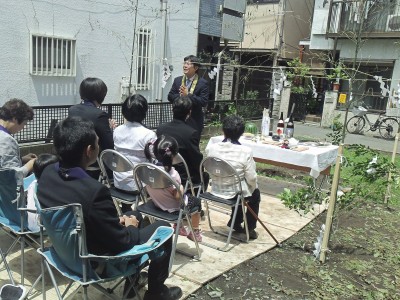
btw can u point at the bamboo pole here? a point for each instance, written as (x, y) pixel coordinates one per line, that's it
(389, 186)
(331, 207)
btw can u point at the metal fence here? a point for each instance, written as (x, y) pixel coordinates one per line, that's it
(46, 117)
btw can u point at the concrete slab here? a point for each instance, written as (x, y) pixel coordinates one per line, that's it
(187, 273)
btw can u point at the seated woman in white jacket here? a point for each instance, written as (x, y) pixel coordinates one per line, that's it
(241, 158)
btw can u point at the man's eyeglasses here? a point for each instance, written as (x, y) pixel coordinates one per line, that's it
(188, 63)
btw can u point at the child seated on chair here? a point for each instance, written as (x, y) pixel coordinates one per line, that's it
(42, 161)
(161, 153)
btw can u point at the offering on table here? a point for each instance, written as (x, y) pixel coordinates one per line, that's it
(285, 144)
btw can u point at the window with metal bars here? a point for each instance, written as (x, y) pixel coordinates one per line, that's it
(144, 71)
(52, 56)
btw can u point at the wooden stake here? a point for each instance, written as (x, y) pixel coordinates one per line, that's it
(389, 186)
(331, 207)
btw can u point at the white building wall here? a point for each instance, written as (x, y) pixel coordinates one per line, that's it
(103, 33)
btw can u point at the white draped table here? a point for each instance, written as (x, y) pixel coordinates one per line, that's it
(314, 160)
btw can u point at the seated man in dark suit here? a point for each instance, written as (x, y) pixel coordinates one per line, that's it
(187, 138)
(93, 91)
(196, 88)
(76, 144)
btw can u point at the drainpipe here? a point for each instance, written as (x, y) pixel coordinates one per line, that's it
(163, 10)
(218, 68)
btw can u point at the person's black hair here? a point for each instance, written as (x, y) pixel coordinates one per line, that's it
(194, 60)
(18, 109)
(134, 108)
(93, 89)
(163, 149)
(181, 107)
(71, 137)
(42, 161)
(233, 127)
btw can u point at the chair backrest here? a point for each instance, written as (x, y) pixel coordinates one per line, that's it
(114, 161)
(66, 230)
(223, 175)
(178, 159)
(147, 174)
(11, 194)
(153, 176)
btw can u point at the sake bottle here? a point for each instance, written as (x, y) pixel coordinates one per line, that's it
(290, 128)
(280, 127)
(265, 123)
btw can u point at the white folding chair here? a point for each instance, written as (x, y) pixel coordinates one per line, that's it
(147, 174)
(116, 162)
(224, 176)
(178, 159)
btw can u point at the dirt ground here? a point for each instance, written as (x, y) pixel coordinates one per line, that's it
(363, 263)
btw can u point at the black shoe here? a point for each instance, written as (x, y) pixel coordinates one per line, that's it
(172, 293)
(141, 281)
(253, 235)
(237, 227)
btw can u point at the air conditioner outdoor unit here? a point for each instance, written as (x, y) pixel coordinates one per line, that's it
(393, 23)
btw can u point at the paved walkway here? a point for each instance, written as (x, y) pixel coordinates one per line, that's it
(189, 274)
(370, 139)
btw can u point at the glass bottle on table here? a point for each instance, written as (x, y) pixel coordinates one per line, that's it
(290, 128)
(280, 127)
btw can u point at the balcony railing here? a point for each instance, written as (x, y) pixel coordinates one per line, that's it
(378, 18)
(40, 129)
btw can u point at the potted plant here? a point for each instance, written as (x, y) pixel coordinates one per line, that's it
(338, 72)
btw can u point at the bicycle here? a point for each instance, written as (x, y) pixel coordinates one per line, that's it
(387, 126)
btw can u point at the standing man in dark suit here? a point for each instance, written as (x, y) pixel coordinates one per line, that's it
(92, 92)
(66, 182)
(195, 88)
(186, 136)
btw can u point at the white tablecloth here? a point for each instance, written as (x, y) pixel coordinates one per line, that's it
(315, 158)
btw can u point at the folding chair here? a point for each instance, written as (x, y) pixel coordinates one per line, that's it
(147, 174)
(116, 162)
(13, 217)
(178, 159)
(223, 175)
(68, 254)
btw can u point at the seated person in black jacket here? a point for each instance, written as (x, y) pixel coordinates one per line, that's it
(187, 138)
(76, 144)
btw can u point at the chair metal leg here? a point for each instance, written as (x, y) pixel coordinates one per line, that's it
(229, 235)
(192, 231)
(3, 259)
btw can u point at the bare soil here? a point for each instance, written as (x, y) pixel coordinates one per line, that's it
(363, 262)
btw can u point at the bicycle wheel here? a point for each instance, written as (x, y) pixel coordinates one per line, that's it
(388, 128)
(355, 124)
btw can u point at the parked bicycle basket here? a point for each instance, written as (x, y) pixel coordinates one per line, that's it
(359, 111)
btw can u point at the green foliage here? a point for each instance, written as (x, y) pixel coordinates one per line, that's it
(338, 72)
(304, 199)
(337, 131)
(297, 75)
(366, 186)
(250, 95)
(361, 181)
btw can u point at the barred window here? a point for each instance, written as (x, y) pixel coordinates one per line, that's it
(52, 56)
(143, 59)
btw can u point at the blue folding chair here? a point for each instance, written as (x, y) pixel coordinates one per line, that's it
(13, 216)
(69, 255)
